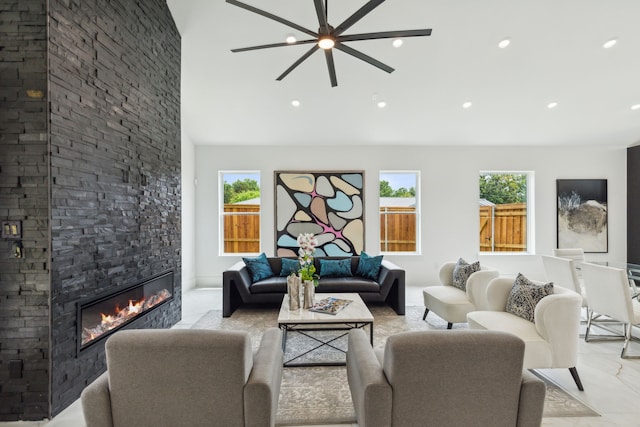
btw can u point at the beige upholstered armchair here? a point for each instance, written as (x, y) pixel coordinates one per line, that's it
(186, 377)
(443, 378)
(551, 339)
(453, 303)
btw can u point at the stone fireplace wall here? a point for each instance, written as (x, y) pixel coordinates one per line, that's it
(114, 79)
(24, 189)
(95, 181)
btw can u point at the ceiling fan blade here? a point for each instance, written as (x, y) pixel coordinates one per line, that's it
(328, 54)
(266, 46)
(298, 62)
(384, 35)
(322, 16)
(362, 56)
(272, 16)
(358, 15)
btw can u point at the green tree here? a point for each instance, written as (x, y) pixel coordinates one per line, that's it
(385, 189)
(503, 188)
(241, 190)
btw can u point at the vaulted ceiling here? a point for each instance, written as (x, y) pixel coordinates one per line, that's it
(555, 55)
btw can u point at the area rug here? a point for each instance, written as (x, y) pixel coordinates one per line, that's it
(320, 395)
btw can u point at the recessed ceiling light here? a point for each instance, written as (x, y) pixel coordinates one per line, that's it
(610, 43)
(397, 43)
(382, 104)
(504, 43)
(291, 39)
(467, 105)
(635, 107)
(295, 103)
(552, 105)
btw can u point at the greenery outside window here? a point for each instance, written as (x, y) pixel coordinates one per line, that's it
(239, 212)
(504, 206)
(399, 212)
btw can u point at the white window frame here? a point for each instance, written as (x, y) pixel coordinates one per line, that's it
(418, 250)
(530, 250)
(222, 214)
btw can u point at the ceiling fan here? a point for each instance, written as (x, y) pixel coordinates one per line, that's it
(328, 37)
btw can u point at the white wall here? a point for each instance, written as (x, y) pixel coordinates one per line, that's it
(449, 198)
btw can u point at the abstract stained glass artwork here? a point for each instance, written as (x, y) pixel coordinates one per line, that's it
(329, 205)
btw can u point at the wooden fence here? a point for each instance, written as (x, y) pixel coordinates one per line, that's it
(503, 228)
(397, 229)
(242, 228)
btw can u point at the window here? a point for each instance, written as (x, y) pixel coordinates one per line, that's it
(399, 212)
(239, 212)
(505, 225)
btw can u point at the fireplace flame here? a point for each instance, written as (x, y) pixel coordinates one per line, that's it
(120, 316)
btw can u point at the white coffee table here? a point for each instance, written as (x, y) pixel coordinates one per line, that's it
(354, 315)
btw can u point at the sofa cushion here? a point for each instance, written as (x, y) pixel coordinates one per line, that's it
(335, 267)
(368, 266)
(347, 284)
(259, 267)
(289, 266)
(273, 284)
(462, 271)
(525, 295)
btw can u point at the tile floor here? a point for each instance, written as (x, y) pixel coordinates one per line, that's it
(612, 385)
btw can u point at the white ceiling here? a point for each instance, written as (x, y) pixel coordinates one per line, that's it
(556, 54)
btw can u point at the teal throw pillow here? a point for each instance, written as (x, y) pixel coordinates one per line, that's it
(289, 266)
(335, 267)
(368, 266)
(259, 268)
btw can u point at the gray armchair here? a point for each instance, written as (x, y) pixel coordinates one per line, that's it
(443, 378)
(186, 377)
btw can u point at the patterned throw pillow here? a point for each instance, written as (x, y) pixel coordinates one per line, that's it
(368, 266)
(258, 267)
(289, 266)
(462, 271)
(524, 297)
(335, 268)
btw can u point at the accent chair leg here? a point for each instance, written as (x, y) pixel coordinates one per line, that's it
(426, 311)
(576, 378)
(449, 325)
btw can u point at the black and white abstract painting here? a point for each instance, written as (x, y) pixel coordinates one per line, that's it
(582, 214)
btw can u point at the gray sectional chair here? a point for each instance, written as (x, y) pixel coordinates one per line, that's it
(186, 377)
(443, 378)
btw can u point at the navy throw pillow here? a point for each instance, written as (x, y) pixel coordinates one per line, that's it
(289, 266)
(368, 266)
(259, 268)
(335, 267)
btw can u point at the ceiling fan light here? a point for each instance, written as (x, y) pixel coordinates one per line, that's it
(291, 39)
(397, 43)
(326, 43)
(610, 43)
(382, 104)
(552, 105)
(467, 105)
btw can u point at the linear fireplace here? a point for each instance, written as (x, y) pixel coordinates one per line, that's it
(100, 317)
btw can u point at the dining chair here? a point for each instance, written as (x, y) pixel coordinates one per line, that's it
(562, 272)
(576, 254)
(610, 295)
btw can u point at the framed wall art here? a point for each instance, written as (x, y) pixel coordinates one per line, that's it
(582, 214)
(328, 204)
